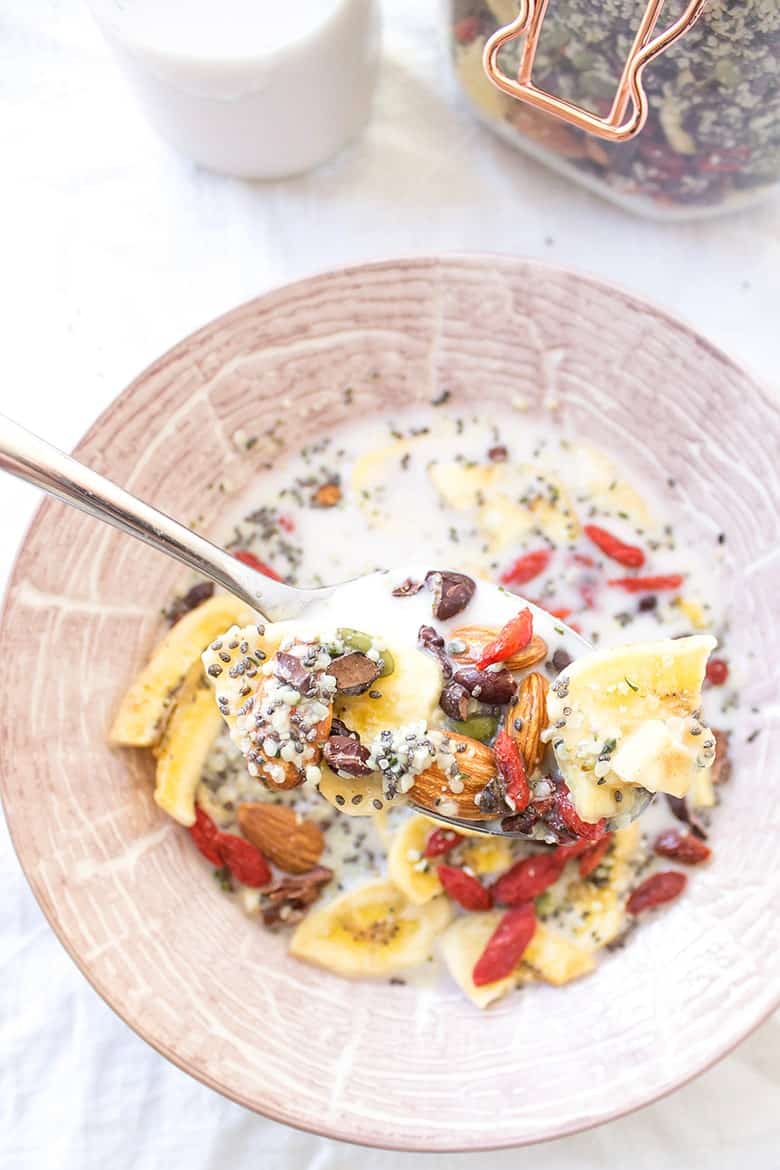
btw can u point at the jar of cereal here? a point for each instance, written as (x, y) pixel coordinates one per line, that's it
(696, 133)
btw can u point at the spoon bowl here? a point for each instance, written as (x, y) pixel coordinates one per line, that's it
(31, 458)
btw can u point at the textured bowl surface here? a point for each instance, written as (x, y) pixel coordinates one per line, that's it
(124, 888)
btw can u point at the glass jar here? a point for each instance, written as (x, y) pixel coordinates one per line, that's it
(711, 142)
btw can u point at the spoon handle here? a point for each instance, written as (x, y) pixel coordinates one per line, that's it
(26, 456)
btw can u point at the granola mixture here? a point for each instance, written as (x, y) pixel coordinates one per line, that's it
(295, 784)
(712, 137)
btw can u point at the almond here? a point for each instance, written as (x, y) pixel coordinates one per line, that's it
(433, 790)
(527, 718)
(293, 775)
(477, 637)
(291, 843)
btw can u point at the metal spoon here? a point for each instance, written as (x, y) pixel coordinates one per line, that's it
(30, 458)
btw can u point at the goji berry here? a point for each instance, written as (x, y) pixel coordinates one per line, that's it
(441, 841)
(594, 855)
(629, 555)
(682, 847)
(466, 30)
(511, 639)
(529, 878)
(506, 946)
(287, 524)
(575, 849)
(717, 671)
(583, 559)
(527, 567)
(245, 862)
(647, 584)
(464, 888)
(248, 558)
(573, 821)
(206, 836)
(655, 890)
(511, 766)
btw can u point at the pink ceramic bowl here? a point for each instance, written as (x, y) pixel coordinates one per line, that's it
(120, 883)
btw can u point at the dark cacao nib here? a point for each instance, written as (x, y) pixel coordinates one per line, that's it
(407, 588)
(189, 601)
(561, 659)
(454, 701)
(346, 756)
(337, 727)
(287, 900)
(433, 642)
(291, 670)
(451, 592)
(496, 688)
(681, 811)
(354, 673)
(491, 798)
(498, 454)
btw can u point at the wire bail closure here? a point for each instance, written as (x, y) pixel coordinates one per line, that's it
(630, 97)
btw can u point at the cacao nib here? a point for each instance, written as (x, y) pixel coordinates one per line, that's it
(496, 688)
(454, 701)
(286, 901)
(680, 810)
(498, 454)
(354, 673)
(346, 756)
(433, 642)
(492, 798)
(561, 659)
(451, 592)
(291, 670)
(189, 601)
(407, 588)
(520, 822)
(337, 727)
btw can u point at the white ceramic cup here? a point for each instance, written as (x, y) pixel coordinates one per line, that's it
(252, 88)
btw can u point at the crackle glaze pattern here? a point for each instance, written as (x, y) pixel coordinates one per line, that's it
(122, 886)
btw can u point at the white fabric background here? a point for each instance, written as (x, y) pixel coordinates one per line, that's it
(111, 249)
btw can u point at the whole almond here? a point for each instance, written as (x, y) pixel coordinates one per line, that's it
(433, 789)
(293, 775)
(527, 718)
(291, 843)
(477, 638)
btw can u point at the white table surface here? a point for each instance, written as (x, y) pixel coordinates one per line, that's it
(111, 249)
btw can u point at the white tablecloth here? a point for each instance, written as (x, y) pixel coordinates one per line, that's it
(112, 248)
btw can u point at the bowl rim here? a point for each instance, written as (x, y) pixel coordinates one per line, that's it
(409, 263)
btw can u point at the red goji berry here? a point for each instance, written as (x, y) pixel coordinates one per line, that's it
(511, 639)
(287, 524)
(717, 671)
(511, 766)
(682, 847)
(573, 821)
(529, 878)
(655, 890)
(464, 888)
(506, 946)
(441, 841)
(594, 855)
(206, 836)
(583, 559)
(246, 863)
(527, 567)
(647, 584)
(575, 849)
(465, 31)
(248, 558)
(629, 555)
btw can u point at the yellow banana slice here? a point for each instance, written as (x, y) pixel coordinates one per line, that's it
(413, 874)
(142, 714)
(370, 931)
(510, 501)
(460, 947)
(181, 754)
(555, 958)
(372, 477)
(624, 717)
(409, 694)
(358, 797)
